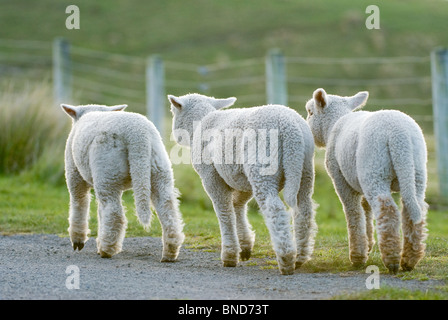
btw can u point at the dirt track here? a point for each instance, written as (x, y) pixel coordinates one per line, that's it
(34, 267)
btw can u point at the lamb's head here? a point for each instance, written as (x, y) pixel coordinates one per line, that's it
(325, 109)
(76, 112)
(189, 110)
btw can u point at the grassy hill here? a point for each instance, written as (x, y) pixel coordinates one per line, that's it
(206, 32)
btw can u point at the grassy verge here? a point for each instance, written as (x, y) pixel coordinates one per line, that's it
(34, 207)
(389, 293)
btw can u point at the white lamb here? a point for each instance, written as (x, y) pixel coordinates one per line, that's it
(228, 149)
(111, 152)
(368, 156)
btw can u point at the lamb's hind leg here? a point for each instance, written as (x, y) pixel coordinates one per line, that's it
(79, 209)
(112, 223)
(166, 204)
(278, 221)
(304, 217)
(246, 235)
(388, 229)
(369, 223)
(414, 235)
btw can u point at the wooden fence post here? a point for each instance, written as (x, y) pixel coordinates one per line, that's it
(276, 85)
(155, 92)
(62, 73)
(439, 72)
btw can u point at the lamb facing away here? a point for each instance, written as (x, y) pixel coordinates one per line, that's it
(368, 156)
(114, 151)
(236, 160)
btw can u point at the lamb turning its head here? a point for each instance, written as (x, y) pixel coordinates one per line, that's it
(368, 156)
(325, 109)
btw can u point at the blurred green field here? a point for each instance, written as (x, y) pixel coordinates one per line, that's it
(202, 30)
(218, 33)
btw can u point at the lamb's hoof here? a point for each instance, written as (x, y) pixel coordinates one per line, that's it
(230, 264)
(393, 268)
(358, 260)
(287, 263)
(78, 245)
(287, 271)
(105, 255)
(168, 259)
(245, 254)
(406, 267)
(358, 264)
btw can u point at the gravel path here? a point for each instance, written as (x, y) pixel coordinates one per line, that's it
(34, 267)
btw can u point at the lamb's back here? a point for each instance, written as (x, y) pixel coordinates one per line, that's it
(262, 117)
(125, 124)
(102, 141)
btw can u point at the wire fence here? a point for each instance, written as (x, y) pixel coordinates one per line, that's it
(28, 60)
(107, 78)
(402, 83)
(246, 79)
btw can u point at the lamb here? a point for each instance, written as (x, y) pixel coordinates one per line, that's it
(111, 152)
(368, 156)
(228, 149)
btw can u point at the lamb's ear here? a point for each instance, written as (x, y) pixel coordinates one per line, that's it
(359, 100)
(222, 103)
(120, 107)
(320, 98)
(70, 110)
(175, 102)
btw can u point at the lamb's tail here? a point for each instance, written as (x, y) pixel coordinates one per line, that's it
(402, 156)
(293, 159)
(139, 157)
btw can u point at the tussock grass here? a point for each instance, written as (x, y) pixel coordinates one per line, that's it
(32, 132)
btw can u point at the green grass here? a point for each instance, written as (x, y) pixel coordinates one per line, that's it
(30, 128)
(28, 206)
(390, 293)
(35, 207)
(32, 207)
